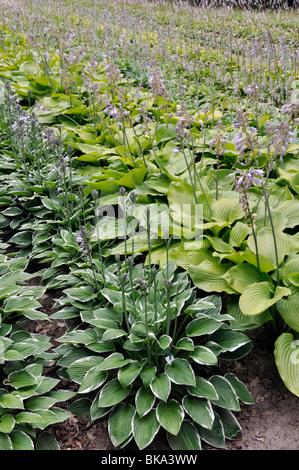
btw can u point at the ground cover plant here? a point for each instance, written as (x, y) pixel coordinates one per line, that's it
(149, 171)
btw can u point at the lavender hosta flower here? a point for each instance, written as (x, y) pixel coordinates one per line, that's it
(280, 137)
(246, 178)
(84, 237)
(219, 143)
(155, 80)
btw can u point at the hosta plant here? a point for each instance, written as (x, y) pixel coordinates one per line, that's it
(28, 403)
(146, 358)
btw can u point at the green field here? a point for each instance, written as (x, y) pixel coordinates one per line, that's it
(149, 186)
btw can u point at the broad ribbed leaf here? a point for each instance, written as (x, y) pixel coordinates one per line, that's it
(161, 386)
(240, 389)
(231, 427)
(92, 380)
(214, 436)
(203, 355)
(128, 373)
(227, 396)
(203, 389)
(288, 309)
(78, 369)
(7, 423)
(229, 340)
(145, 428)
(114, 361)
(202, 325)
(5, 442)
(286, 355)
(170, 415)
(11, 401)
(259, 296)
(120, 423)
(46, 441)
(200, 410)
(112, 393)
(144, 401)
(180, 372)
(266, 246)
(186, 439)
(21, 441)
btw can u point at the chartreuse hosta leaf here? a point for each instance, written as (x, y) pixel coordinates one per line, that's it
(288, 309)
(259, 296)
(266, 246)
(286, 353)
(209, 276)
(242, 275)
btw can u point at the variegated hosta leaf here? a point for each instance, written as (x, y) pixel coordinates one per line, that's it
(186, 439)
(120, 423)
(145, 428)
(170, 415)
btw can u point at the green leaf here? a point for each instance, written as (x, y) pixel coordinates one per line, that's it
(180, 372)
(242, 275)
(130, 372)
(40, 403)
(214, 436)
(78, 369)
(21, 441)
(227, 210)
(21, 378)
(231, 427)
(120, 423)
(170, 415)
(259, 296)
(240, 389)
(203, 355)
(161, 386)
(208, 276)
(186, 439)
(144, 401)
(147, 374)
(238, 234)
(202, 325)
(229, 340)
(82, 294)
(203, 389)
(286, 353)
(46, 441)
(5, 442)
(112, 393)
(165, 132)
(266, 247)
(28, 417)
(288, 309)
(114, 361)
(11, 401)
(145, 428)
(7, 423)
(200, 410)
(227, 396)
(93, 379)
